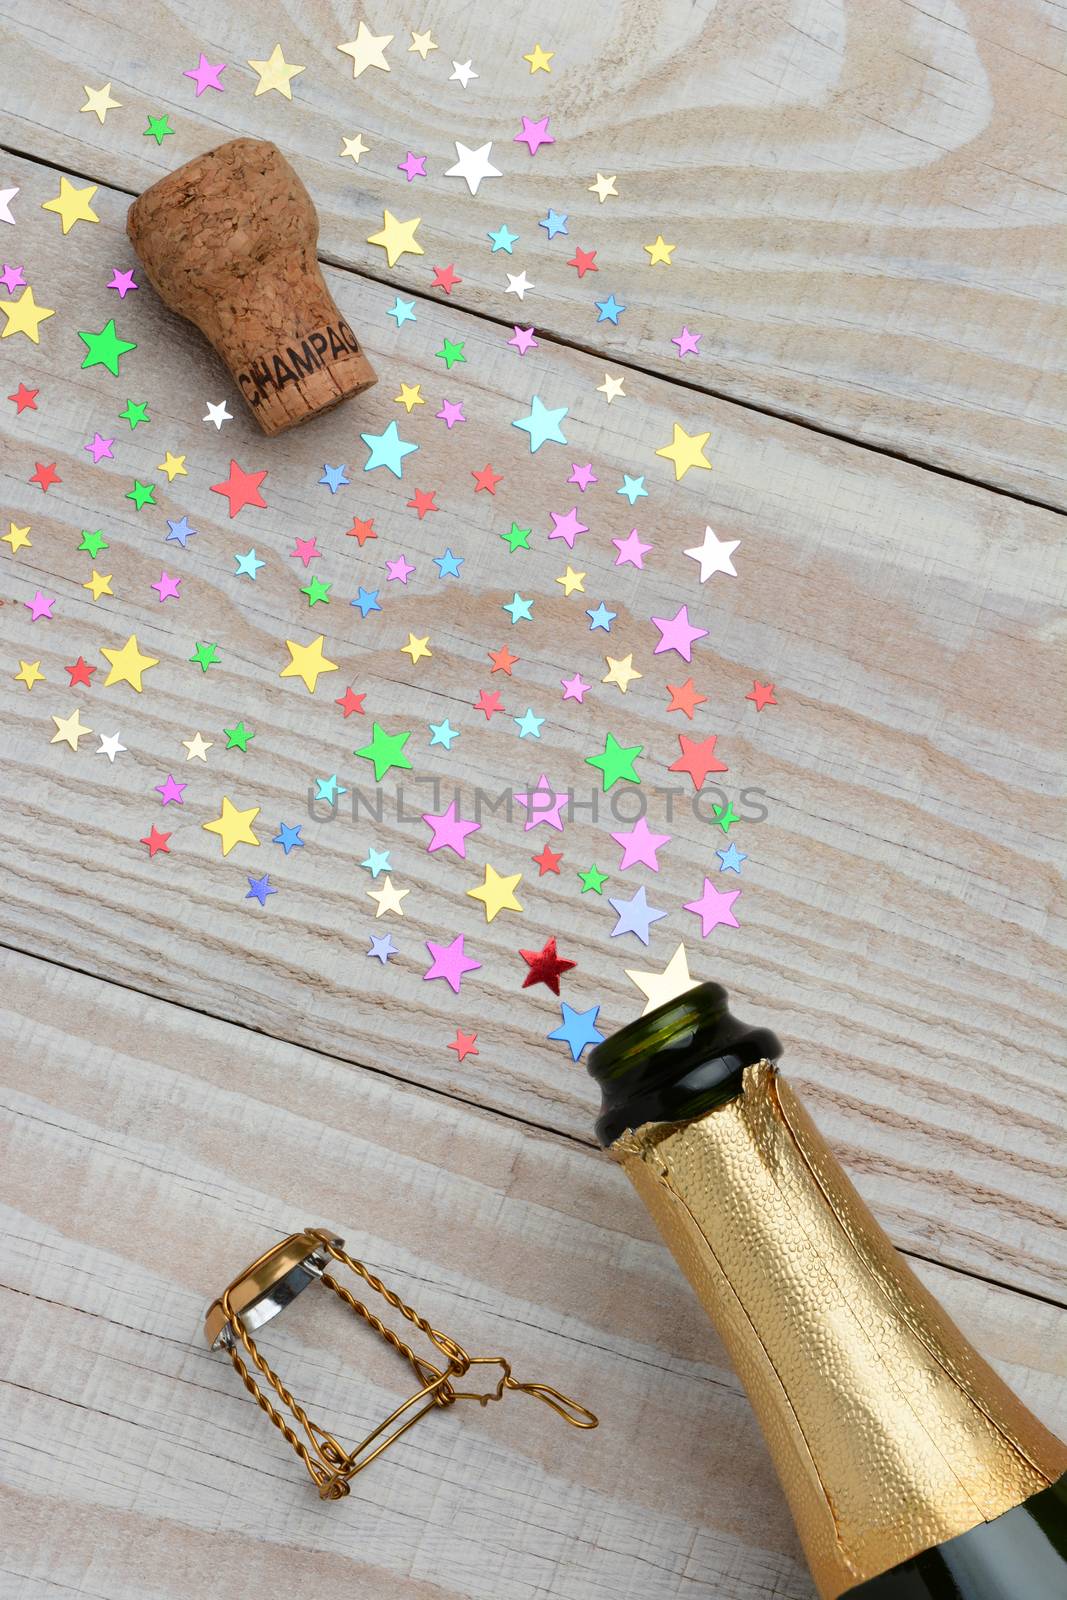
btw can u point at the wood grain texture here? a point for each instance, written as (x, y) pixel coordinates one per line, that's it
(900, 922)
(149, 1153)
(866, 198)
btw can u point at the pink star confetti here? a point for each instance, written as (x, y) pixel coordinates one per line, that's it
(450, 414)
(448, 961)
(575, 688)
(640, 844)
(714, 908)
(206, 75)
(449, 831)
(534, 134)
(305, 550)
(171, 792)
(522, 340)
(678, 634)
(543, 804)
(582, 476)
(100, 449)
(399, 570)
(413, 166)
(566, 526)
(40, 607)
(632, 550)
(688, 343)
(122, 283)
(167, 588)
(12, 278)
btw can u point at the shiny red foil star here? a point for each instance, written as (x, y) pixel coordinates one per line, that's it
(545, 966)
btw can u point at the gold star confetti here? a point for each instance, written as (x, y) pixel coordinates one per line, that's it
(603, 187)
(659, 987)
(173, 466)
(127, 665)
(69, 729)
(611, 388)
(197, 747)
(397, 238)
(539, 59)
(367, 50)
(233, 826)
(307, 661)
(573, 582)
(275, 73)
(29, 673)
(354, 147)
(99, 585)
(18, 538)
(24, 315)
(388, 898)
(621, 672)
(497, 893)
(659, 254)
(72, 205)
(410, 396)
(99, 101)
(416, 648)
(686, 450)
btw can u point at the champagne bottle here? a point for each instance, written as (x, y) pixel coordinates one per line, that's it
(912, 1471)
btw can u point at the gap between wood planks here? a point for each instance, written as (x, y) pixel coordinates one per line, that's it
(627, 362)
(513, 1117)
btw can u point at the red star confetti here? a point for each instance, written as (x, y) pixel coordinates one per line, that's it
(241, 488)
(423, 502)
(545, 966)
(361, 529)
(351, 703)
(698, 758)
(763, 695)
(24, 399)
(487, 479)
(45, 476)
(156, 842)
(445, 278)
(547, 861)
(464, 1044)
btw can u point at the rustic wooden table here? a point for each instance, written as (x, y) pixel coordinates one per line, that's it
(865, 200)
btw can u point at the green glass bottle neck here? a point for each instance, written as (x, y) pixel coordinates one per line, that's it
(1021, 1555)
(676, 1063)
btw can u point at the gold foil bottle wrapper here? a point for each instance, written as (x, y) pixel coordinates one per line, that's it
(888, 1431)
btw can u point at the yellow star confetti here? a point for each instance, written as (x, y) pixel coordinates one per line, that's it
(367, 50)
(197, 747)
(539, 59)
(29, 673)
(275, 73)
(397, 238)
(99, 101)
(621, 672)
(603, 187)
(24, 315)
(388, 898)
(307, 661)
(659, 253)
(128, 664)
(173, 466)
(18, 538)
(233, 826)
(497, 893)
(410, 396)
(686, 450)
(659, 987)
(354, 147)
(422, 43)
(416, 648)
(611, 388)
(99, 585)
(573, 582)
(72, 205)
(69, 729)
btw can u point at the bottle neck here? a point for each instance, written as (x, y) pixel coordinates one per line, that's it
(888, 1431)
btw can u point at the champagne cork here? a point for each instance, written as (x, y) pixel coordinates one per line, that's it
(228, 242)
